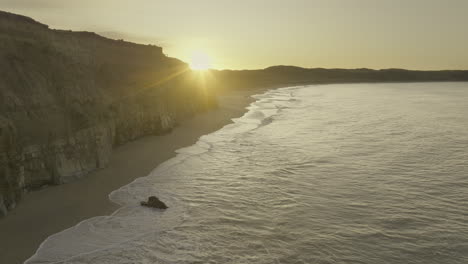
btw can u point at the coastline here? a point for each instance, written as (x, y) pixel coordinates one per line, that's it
(55, 208)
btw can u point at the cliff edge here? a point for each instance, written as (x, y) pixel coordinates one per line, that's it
(67, 98)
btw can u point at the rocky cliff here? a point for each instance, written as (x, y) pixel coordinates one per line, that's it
(67, 98)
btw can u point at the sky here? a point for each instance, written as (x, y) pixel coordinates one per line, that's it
(253, 34)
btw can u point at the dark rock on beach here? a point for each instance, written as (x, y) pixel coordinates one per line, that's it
(154, 202)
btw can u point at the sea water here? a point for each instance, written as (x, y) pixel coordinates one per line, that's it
(346, 173)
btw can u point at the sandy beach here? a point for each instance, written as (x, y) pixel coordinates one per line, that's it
(50, 210)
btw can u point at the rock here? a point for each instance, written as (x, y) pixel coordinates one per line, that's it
(154, 202)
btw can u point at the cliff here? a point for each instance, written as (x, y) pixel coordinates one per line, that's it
(67, 98)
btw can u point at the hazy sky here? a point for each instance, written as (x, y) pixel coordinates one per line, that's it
(239, 34)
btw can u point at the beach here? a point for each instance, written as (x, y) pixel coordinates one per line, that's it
(52, 209)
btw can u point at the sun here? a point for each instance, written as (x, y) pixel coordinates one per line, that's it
(200, 61)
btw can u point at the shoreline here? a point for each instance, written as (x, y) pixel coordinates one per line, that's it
(50, 210)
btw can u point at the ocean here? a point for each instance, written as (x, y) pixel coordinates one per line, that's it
(339, 173)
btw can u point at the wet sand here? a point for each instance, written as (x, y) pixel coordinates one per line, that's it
(53, 209)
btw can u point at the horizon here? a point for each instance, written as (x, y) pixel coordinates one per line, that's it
(419, 35)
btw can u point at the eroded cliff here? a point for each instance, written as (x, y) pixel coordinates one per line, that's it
(67, 98)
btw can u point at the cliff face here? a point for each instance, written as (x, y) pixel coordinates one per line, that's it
(67, 98)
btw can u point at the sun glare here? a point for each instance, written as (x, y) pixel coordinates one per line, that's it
(200, 61)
